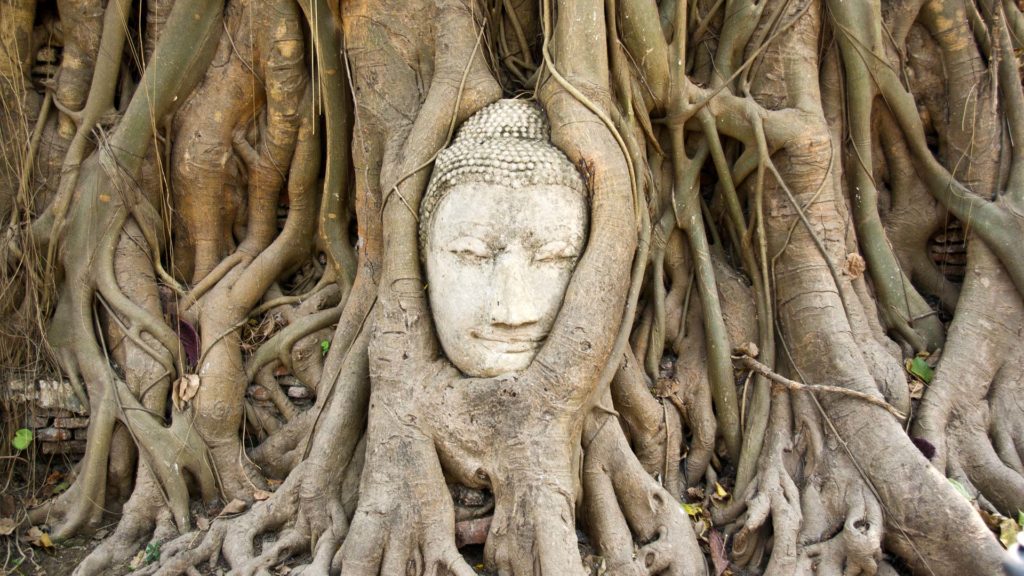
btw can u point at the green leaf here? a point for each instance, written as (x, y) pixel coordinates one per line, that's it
(960, 488)
(61, 487)
(920, 369)
(152, 552)
(22, 439)
(325, 345)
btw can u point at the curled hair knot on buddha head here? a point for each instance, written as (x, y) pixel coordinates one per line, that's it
(506, 143)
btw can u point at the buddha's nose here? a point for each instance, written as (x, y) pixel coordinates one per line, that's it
(512, 303)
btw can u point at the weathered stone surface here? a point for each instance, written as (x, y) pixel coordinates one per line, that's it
(299, 392)
(52, 435)
(70, 447)
(71, 422)
(502, 225)
(46, 395)
(35, 421)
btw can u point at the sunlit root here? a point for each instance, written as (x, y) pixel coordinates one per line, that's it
(654, 426)
(404, 520)
(623, 504)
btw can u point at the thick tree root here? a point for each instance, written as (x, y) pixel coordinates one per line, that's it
(404, 523)
(145, 518)
(654, 426)
(623, 505)
(971, 412)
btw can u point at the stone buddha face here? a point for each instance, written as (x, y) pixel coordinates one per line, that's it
(502, 229)
(498, 264)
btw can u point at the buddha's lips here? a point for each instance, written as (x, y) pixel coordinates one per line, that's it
(510, 342)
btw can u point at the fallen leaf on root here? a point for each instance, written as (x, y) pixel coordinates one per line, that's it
(7, 526)
(138, 560)
(236, 506)
(202, 523)
(916, 389)
(854, 265)
(718, 555)
(920, 369)
(694, 510)
(1008, 530)
(261, 495)
(184, 390)
(695, 493)
(720, 493)
(53, 478)
(38, 538)
(700, 527)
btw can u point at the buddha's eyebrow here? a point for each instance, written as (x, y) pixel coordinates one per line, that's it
(557, 232)
(469, 228)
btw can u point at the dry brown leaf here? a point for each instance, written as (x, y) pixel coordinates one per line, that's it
(184, 390)
(267, 329)
(916, 389)
(236, 506)
(7, 526)
(202, 523)
(138, 560)
(854, 265)
(38, 538)
(260, 495)
(53, 478)
(718, 555)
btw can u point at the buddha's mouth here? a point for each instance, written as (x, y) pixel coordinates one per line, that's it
(509, 342)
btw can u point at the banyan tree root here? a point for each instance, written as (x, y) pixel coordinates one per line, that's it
(624, 507)
(971, 411)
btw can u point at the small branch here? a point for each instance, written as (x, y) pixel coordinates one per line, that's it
(750, 363)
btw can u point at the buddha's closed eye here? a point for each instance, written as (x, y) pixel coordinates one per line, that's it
(555, 251)
(470, 248)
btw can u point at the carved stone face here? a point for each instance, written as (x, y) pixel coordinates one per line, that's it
(498, 262)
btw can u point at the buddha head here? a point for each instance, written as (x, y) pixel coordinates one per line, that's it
(502, 224)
